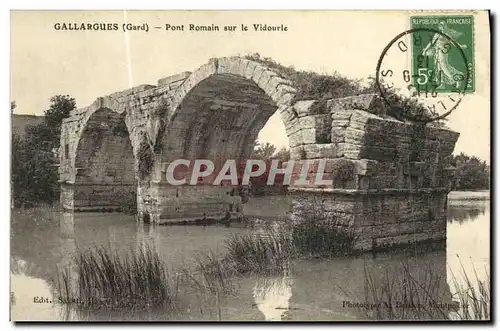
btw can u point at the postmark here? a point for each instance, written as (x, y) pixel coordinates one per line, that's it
(423, 73)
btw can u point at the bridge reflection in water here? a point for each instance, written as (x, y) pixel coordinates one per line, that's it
(310, 290)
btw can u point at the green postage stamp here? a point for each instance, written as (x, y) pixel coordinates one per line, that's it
(443, 53)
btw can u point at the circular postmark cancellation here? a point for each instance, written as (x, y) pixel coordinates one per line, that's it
(423, 73)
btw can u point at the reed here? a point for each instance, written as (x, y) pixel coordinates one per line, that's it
(103, 278)
(420, 293)
(248, 253)
(473, 295)
(274, 248)
(321, 238)
(212, 274)
(408, 293)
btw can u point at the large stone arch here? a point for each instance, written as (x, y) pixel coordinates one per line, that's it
(218, 111)
(215, 113)
(104, 162)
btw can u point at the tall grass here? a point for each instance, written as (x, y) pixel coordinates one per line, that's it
(422, 293)
(318, 232)
(322, 238)
(248, 253)
(404, 295)
(272, 251)
(101, 278)
(473, 295)
(212, 274)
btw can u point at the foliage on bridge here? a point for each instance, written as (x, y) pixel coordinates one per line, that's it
(315, 86)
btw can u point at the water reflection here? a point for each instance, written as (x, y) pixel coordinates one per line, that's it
(68, 243)
(466, 213)
(312, 290)
(272, 296)
(148, 236)
(25, 290)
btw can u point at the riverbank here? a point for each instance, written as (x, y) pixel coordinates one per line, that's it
(469, 195)
(278, 206)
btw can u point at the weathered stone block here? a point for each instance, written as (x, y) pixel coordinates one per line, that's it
(303, 107)
(362, 102)
(320, 151)
(343, 115)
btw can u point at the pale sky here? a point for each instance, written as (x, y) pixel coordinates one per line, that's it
(89, 64)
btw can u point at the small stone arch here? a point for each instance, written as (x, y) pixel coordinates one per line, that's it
(103, 162)
(86, 114)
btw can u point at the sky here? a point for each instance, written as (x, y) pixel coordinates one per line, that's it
(89, 64)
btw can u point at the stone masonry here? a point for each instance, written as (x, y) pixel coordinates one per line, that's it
(390, 177)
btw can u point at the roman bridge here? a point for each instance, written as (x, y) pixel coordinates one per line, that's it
(390, 178)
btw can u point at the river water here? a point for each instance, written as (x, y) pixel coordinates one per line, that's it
(311, 290)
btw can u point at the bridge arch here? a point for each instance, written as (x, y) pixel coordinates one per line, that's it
(104, 161)
(221, 107)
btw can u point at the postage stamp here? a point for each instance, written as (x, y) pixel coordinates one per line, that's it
(437, 65)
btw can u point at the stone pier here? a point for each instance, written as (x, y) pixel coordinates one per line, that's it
(390, 178)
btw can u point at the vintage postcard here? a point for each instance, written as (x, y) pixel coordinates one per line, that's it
(250, 166)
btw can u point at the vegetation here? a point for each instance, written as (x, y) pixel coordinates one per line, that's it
(127, 202)
(474, 296)
(213, 274)
(313, 86)
(322, 237)
(471, 173)
(343, 171)
(420, 293)
(263, 151)
(105, 279)
(268, 152)
(145, 158)
(402, 295)
(139, 280)
(283, 154)
(248, 254)
(318, 235)
(34, 158)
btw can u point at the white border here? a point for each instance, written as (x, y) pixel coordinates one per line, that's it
(185, 4)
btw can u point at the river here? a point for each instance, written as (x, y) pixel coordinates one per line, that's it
(311, 290)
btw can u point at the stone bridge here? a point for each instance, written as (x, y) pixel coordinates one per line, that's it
(390, 177)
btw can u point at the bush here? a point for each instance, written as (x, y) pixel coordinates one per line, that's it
(471, 173)
(34, 175)
(34, 161)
